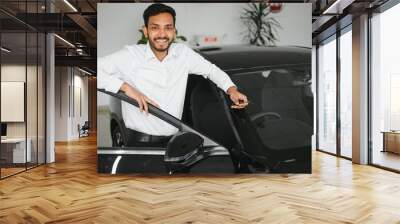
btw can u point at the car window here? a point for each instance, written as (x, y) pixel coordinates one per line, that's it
(280, 104)
(205, 111)
(112, 128)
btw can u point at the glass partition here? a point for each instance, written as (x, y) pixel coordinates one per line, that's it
(31, 97)
(385, 89)
(14, 153)
(41, 96)
(346, 93)
(23, 87)
(327, 96)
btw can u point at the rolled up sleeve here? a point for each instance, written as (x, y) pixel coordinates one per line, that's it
(108, 76)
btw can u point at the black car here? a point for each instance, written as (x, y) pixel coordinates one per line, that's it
(272, 134)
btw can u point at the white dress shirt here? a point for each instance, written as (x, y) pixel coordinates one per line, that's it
(162, 81)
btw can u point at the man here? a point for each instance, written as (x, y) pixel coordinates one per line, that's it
(157, 73)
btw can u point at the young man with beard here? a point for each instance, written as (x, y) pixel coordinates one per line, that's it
(157, 73)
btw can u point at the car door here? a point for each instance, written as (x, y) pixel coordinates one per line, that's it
(148, 159)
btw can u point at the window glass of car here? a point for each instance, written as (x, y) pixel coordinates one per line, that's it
(280, 104)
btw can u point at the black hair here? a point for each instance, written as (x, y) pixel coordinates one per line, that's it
(156, 9)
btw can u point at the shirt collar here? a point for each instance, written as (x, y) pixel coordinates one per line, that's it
(149, 54)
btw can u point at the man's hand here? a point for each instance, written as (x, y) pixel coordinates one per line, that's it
(237, 97)
(139, 97)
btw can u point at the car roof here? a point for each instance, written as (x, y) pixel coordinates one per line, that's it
(237, 57)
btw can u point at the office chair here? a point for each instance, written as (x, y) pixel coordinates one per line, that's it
(84, 130)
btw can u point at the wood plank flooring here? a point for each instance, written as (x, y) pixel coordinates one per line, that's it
(10, 171)
(387, 159)
(71, 191)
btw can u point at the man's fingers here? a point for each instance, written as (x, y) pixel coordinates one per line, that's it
(243, 104)
(145, 106)
(246, 101)
(140, 104)
(240, 106)
(237, 107)
(242, 99)
(234, 99)
(143, 102)
(152, 102)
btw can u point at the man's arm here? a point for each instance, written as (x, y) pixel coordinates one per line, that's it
(112, 80)
(237, 97)
(142, 99)
(199, 65)
(108, 76)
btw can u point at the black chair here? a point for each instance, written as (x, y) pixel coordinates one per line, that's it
(278, 143)
(84, 130)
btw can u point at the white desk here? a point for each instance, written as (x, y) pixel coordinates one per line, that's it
(18, 149)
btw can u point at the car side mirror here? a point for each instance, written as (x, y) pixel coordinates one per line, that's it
(183, 150)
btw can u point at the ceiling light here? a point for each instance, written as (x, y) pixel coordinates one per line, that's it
(70, 5)
(326, 11)
(84, 71)
(338, 6)
(64, 40)
(5, 50)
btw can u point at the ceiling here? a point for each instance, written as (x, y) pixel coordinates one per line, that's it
(76, 22)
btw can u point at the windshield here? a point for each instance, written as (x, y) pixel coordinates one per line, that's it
(281, 105)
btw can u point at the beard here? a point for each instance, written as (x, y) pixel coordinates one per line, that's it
(156, 46)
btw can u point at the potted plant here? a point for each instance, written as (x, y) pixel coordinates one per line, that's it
(261, 27)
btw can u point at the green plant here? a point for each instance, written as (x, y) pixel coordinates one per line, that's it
(261, 28)
(143, 39)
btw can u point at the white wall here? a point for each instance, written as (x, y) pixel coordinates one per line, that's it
(67, 80)
(295, 19)
(82, 83)
(17, 73)
(223, 19)
(33, 125)
(61, 103)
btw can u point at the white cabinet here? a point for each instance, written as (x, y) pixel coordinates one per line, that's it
(17, 146)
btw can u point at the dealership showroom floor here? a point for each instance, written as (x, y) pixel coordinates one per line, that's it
(71, 191)
(51, 113)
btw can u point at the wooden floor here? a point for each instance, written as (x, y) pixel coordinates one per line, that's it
(71, 191)
(387, 159)
(10, 171)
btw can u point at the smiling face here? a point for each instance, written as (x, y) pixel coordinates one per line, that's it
(160, 31)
